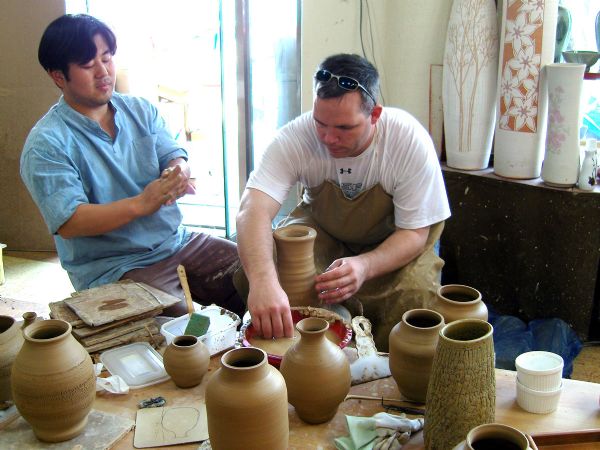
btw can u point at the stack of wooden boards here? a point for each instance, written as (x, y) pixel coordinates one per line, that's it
(114, 314)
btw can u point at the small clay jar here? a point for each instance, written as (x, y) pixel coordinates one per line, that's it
(412, 346)
(246, 403)
(11, 340)
(53, 381)
(316, 372)
(457, 301)
(186, 360)
(496, 436)
(296, 263)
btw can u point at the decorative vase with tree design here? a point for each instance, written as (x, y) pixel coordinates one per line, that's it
(462, 385)
(246, 403)
(413, 341)
(316, 372)
(53, 381)
(296, 263)
(528, 35)
(469, 83)
(562, 157)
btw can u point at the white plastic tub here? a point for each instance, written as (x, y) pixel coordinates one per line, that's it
(221, 333)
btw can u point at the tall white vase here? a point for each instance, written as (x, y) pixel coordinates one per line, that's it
(564, 83)
(470, 83)
(528, 35)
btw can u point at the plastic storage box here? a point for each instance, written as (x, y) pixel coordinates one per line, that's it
(221, 333)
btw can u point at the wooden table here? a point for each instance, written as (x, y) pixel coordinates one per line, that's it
(578, 409)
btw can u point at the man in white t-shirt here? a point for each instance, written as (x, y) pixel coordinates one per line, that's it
(373, 190)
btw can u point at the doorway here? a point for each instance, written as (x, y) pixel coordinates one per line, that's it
(224, 77)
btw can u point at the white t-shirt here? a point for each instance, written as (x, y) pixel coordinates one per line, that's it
(401, 158)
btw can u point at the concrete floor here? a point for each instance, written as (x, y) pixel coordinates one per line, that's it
(37, 279)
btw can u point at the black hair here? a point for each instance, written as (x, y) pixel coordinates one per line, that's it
(70, 39)
(353, 66)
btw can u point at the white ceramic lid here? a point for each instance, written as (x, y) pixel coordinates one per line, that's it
(138, 364)
(539, 362)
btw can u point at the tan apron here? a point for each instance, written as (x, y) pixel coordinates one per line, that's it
(349, 227)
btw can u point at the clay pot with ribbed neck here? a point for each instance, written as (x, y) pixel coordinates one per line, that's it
(457, 301)
(53, 381)
(246, 403)
(412, 346)
(316, 372)
(186, 361)
(296, 263)
(11, 340)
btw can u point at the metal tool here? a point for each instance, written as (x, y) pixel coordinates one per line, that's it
(394, 404)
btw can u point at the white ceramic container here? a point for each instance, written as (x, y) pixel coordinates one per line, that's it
(539, 370)
(538, 402)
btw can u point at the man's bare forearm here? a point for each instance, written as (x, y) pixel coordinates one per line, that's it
(396, 251)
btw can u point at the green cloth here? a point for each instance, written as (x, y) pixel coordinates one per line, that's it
(383, 431)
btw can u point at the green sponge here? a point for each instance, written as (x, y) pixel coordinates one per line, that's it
(198, 325)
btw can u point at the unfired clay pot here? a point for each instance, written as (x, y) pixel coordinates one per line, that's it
(186, 360)
(296, 263)
(413, 341)
(246, 403)
(457, 301)
(11, 340)
(462, 387)
(495, 436)
(53, 381)
(316, 372)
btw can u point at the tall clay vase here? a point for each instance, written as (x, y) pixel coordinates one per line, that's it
(316, 372)
(11, 340)
(562, 156)
(457, 301)
(412, 345)
(186, 361)
(246, 403)
(53, 381)
(296, 263)
(528, 34)
(462, 386)
(469, 83)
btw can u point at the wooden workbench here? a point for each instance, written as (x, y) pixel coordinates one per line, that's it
(578, 409)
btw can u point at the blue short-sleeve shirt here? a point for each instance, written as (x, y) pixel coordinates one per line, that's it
(69, 160)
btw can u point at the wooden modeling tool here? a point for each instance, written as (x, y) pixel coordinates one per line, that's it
(198, 324)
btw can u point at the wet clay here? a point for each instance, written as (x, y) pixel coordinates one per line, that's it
(279, 346)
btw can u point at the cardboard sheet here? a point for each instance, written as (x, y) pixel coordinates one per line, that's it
(156, 427)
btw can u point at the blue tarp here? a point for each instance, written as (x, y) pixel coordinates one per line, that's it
(512, 337)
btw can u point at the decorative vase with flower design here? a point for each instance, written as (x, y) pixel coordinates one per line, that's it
(528, 37)
(561, 161)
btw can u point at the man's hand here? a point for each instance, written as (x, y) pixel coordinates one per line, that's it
(270, 311)
(345, 276)
(342, 279)
(185, 184)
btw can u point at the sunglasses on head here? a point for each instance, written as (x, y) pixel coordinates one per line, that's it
(346, 83)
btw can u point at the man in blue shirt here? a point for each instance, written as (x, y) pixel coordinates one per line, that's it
(106, 173)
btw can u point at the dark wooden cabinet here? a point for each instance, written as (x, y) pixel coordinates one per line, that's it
(532, 250)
